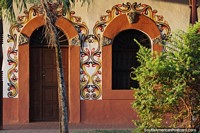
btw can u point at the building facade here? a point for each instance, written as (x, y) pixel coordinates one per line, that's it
(97, 58)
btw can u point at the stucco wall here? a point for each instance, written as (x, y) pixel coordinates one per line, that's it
(175, 12)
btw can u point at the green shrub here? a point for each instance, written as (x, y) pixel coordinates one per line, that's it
(169, 83)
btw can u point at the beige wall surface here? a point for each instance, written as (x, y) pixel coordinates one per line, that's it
(175, 12)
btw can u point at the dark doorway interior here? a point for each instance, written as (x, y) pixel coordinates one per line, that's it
(124, 57)
(43, 78)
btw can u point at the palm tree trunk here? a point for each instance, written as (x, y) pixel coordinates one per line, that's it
(62, 98)
(52, 38)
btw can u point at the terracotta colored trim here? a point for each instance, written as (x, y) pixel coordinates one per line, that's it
(24, 66)
(119, 24)
(10, 111)
(23, 102)
(67, 27)
(74, 84)
(32, 25)
(108, 112)
(61, 23)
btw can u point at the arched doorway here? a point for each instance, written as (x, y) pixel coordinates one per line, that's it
(43, 76)
(72, 55)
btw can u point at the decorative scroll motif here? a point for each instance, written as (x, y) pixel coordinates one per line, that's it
(23, 39)
(90, 68)
(132, 10)
(12, 52)
(106, 41)
(33, 12)
(12, 73)
(158, 19)
(90, 71)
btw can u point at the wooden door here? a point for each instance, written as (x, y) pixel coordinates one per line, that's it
(43, 84)
(36, 84)
(49, 88)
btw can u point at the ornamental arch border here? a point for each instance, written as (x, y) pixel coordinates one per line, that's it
(123, 17)
(145, 25)
(73, 54)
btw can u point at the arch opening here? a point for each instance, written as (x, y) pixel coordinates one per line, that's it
(124, 57)
(38, 38)
(43, 76)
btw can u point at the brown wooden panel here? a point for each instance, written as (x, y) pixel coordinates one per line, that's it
(50, 104)
(44, 94)
(35, 84)
(49, 67)
(50, 97)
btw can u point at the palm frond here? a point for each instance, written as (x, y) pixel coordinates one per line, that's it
(33, 1)
(66, 5)
(23, 5)
(88, 1)
(7, 7)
